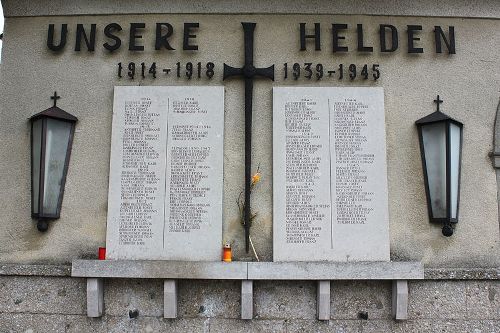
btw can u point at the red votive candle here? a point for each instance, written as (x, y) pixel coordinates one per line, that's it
(102, 253)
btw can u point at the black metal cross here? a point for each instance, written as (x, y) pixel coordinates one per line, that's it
(438, 101)
(55, 97)
(248, 71)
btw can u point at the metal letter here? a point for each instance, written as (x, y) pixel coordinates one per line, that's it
(411, 39)
(50, 37)
(187, 36)
(108, 32)
(438, 34)
(162, 40)
(316, 36)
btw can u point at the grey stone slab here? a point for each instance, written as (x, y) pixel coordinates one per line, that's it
(331, 326)
(376, 326)
(437, 300)
(95, 297)
(400, 299)
(350, 298)
(414, 326)
(156, 324)
(35, 294)
(35, 270)
(32, 323)
(323, 300)
(483, 299)
(166, 173)
(246, 299)
(431, 326)
(483, 326)
(170, 299)
(330, 197)
(462, 274)
(79, 324)
(334, 271)
(124, 295)
(287, 299)
(443, 325)
(152, 269)
(452, 326)
(240, 326)
(210, 299)
(460, 8)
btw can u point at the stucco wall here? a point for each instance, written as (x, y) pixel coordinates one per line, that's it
(468, 82)
(443, 8)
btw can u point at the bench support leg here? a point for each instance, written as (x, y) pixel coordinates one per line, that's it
(323, 300)
(246, 299)
(170, 299)
(400, 299)
(95, 297)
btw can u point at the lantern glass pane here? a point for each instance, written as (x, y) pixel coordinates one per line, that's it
(455, 167)
(36, 152)
(434, 138)
(57, 139)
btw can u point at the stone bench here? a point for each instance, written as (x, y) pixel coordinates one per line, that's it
(171, 271)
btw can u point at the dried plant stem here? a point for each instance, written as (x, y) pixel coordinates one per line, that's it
(253, 249)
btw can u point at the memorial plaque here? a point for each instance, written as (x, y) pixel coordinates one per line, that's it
(166, 174)
(329, 175)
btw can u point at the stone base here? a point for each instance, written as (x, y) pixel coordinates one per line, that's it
(58, 304)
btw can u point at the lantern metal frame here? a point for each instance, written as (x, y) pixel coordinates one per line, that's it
(60, 115)
(439, 117)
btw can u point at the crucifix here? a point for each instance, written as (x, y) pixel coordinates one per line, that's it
(55, 98)
(438, 101)
(248, 71)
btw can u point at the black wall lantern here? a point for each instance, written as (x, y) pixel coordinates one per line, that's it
(52, 133)
(441, 149)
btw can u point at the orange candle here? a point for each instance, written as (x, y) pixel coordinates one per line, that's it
(226, 253)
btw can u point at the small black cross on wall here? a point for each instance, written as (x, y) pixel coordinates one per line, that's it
(55, 98)
(438, 101)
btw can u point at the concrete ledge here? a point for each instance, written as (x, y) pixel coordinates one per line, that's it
(154, 269)
(35, 270)
(429, 273)
(444, 8)
(248, 270)
(335, 271)
(462, 274)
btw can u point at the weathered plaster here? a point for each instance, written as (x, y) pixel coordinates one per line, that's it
(443, 8)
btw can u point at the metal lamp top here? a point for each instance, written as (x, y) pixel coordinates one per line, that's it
(55, 112)
(437, 116)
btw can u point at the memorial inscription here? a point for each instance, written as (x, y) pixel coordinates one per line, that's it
(165, 187)
(330, 179)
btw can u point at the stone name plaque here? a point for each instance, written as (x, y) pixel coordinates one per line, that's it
(329, 175)
(165, 183)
